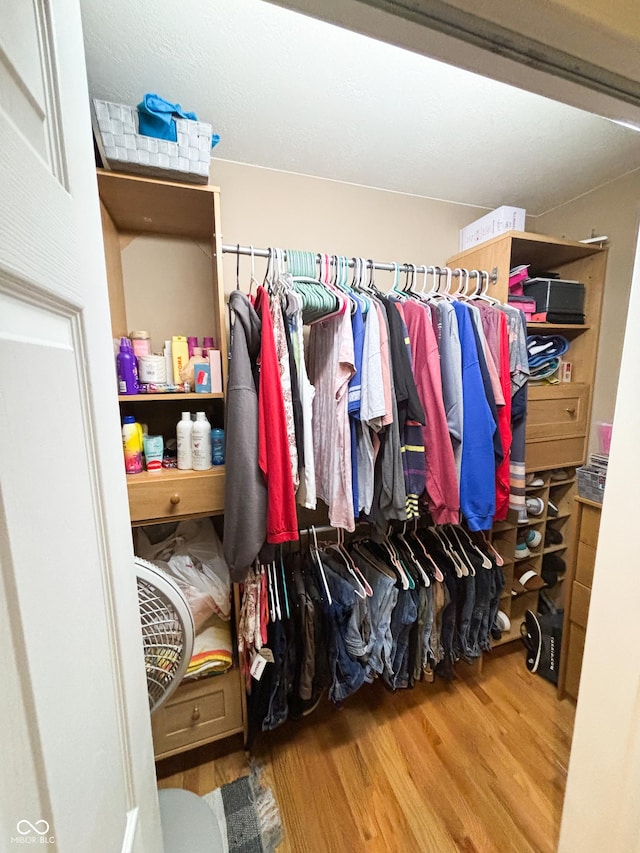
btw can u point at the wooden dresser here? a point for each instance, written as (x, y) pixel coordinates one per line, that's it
(578, 596)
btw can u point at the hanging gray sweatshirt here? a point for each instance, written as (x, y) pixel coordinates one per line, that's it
(245, 502)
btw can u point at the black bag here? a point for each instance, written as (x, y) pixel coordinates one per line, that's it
(542, 638)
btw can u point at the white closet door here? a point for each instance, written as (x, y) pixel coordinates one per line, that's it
(77, 765)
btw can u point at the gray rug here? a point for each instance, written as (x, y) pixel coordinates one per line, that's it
(248, 815)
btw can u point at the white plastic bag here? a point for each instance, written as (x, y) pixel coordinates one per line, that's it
(193, 556)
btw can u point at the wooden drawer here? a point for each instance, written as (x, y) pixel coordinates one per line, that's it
(585, 563)
(555, 453)
(557, 410)
(175, 494)
(580, 599)
(197, 713)
(590, 525)
(575, 652)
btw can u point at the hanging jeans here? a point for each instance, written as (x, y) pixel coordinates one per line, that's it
(404, 615)
(381, 605)
(347, 675)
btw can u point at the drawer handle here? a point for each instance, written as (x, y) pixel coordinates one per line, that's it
(175, 499)
(195, 714)
(571, 411)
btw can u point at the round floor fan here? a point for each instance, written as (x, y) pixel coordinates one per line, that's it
(167, 636)
(167, 631)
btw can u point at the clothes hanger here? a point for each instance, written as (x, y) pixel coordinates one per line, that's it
(318, 562)
(284, 583)
(483, 294)
(461, 551)
(437, 571)
(253, 279)
(349, 566)
(347, 555)
(460, 569)
(402, 537)
(497, 556)
(486, 562)
(399, 562)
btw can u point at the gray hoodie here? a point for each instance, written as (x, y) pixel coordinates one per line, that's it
(245, 502)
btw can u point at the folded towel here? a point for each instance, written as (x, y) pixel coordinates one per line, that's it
(212, 649)
(155, 117)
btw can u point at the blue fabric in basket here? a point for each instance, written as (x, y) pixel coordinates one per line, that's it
(155, 117)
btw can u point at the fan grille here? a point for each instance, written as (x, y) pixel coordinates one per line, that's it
(162, 635)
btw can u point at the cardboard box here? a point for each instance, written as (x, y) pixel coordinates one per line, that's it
(497, 222)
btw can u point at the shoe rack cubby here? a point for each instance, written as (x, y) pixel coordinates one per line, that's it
(506, 534)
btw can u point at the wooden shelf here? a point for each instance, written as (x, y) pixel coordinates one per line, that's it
(562, 482)
(146, 205)
(178, 396)
(567, 327)
(588, 502)
(553, 548)
(166, 475)
(508, 636)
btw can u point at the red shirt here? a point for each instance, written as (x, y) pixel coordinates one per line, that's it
(503, 486)
(273, 446)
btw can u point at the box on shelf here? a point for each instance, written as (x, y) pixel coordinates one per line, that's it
(499, 221)
(592, 480)
(124, 149)
(557, 300)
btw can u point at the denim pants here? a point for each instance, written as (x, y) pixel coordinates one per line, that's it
(404, 615)
(381, 605)
(347, 675)
(481, 609)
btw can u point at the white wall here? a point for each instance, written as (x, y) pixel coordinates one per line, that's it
(613, 210)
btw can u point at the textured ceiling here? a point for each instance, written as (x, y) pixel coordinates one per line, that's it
(289, 92)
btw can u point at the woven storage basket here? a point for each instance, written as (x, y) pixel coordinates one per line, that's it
(125, 150)
(591, 483)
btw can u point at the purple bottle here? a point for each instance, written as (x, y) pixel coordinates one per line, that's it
(191, 343)
(127, 369)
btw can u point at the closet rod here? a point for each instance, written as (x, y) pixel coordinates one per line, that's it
(264, 253)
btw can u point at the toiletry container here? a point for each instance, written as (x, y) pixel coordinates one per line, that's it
(127, 369)
(141, 343)
(217, 446)
(132, 445)
(201, 443)
(183, 434)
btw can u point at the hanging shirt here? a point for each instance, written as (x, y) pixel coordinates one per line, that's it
(282, 354)
(372, 408)
(494, 324)
(331, 364)
(451, 374)
(306, 495)
(273, 451)
(441, 479)
(477, 488)
(355, 394)
(245, 518)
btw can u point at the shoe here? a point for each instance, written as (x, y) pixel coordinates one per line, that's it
(532, 639)
(522, 552)
(533, 538)
(560, 474)
(535, 506)
(533, 480)
(552, 509)
(546, 604)
(503, 623)
(552, 537)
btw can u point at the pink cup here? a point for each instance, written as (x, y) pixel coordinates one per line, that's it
(604, 436)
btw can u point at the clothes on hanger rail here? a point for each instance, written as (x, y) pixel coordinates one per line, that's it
(431, 598)
(390, 402)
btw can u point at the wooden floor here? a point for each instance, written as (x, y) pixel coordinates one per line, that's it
(477, 765)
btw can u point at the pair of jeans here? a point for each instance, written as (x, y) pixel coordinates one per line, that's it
(283, 656)
(381, 605)
(359, 636)
(347, 675)
(403, 617)
(497, 585)
(481, 610)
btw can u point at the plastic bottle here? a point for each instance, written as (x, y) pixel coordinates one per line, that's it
(201, 443)
(217, 446)
(183, 434)
(127, 369)
(132, 445)
(140, 343)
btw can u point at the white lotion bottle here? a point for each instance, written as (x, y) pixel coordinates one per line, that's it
(183, 434)
(201, 443)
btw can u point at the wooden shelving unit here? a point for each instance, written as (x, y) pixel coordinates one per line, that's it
(558, 416)
(212, 707)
